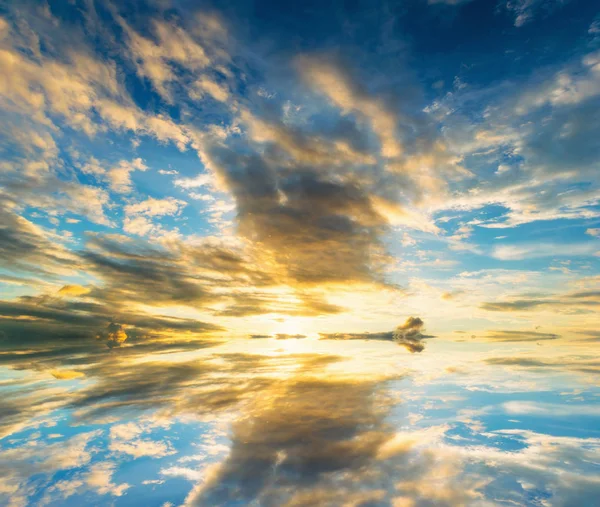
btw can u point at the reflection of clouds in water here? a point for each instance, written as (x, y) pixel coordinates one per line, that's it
(409, 335)
(283, 429)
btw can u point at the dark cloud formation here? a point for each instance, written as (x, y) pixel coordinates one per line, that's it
(120, 389)
(318, 227)
(409, 335)
(211, 277)
(30, 321)
(27, 247)
(303, 434)
(199, 276)
(114, 335)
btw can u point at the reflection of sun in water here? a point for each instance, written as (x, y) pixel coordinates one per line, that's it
(290, 328)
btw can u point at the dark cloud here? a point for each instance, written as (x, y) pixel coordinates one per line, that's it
(156, 277)
(384, 336)
(409, 335)
(46, 332)
(119, 388)
(207, 385)
(257, 303)
(199, 276)
(114, 335)
(318, 228)
(299, 434)
(27, 247)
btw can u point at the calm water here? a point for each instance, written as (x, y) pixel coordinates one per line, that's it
(304, 422)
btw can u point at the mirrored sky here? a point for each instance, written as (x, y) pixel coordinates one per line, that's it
(334, 253)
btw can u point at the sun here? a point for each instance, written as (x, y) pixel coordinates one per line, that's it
(291, 335)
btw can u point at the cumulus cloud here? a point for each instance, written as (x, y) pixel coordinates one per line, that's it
(139, 216)
(593, 232)
(156, 207)
(125, 439)
(118, 176)
(98, 479)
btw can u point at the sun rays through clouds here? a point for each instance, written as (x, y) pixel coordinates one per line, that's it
(324, 253)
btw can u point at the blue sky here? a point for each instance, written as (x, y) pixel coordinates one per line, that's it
(216, 214)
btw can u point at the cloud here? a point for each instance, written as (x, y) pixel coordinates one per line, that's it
(203, 386)
(157, 61)
(216, 90)
(550, 409)
(117, 176)
(156, 207)
(72, 290)
(586, 365)
(525, 10)
(311, 429)
(575, 301)
(17, 464)
(539, 250)
(519, 336)
(138, 219)
(330, 80)
(98, 478)
(66, 374)
(409, 335)
(125, 440)
(113, 335)
(317, 229)
(287, 336)
(27, 247)
(543, 119)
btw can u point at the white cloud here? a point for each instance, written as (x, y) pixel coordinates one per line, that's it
(199, 181)
(593, 232)
(537, 250)
(215, 90)
(119, 176)
(125, 439)
(156, 207)
(549, 409)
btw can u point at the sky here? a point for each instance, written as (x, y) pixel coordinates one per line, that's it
(335, 253)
